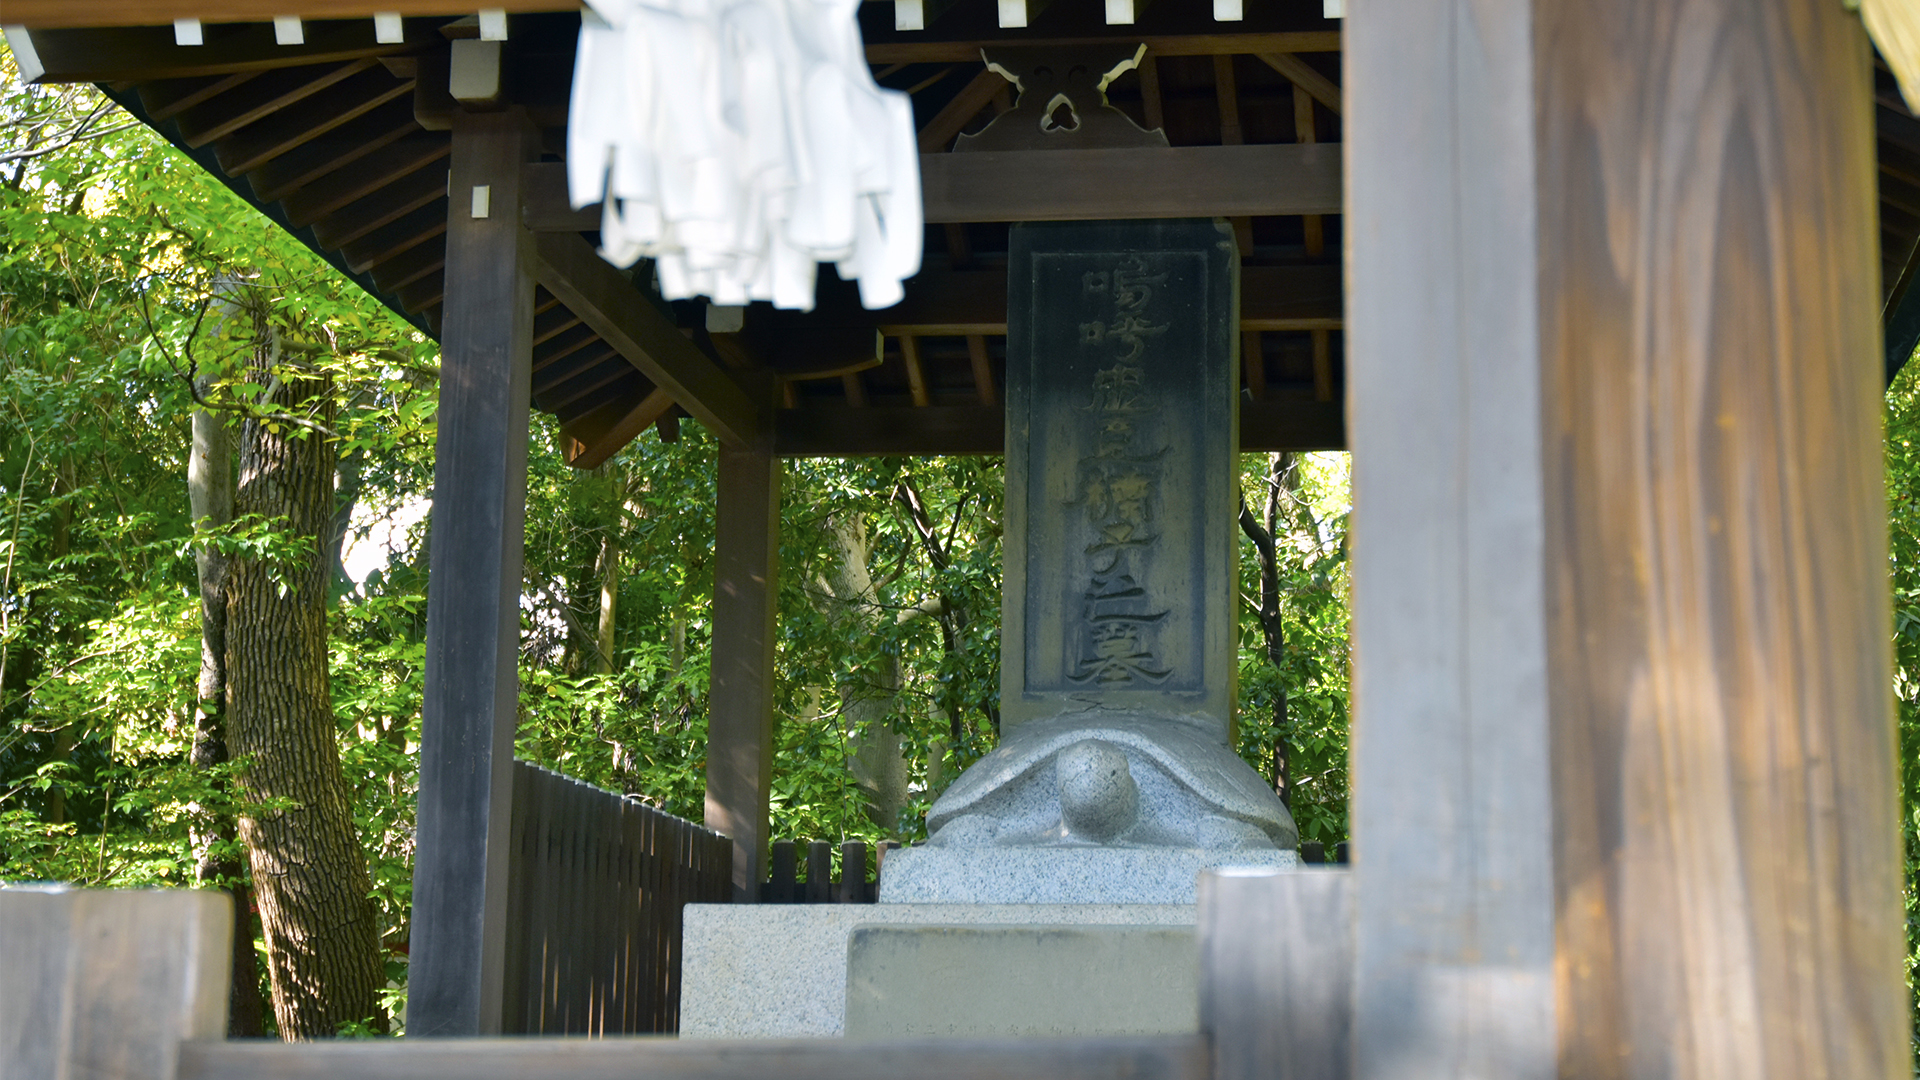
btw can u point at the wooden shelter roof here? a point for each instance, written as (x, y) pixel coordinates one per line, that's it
(344, 142)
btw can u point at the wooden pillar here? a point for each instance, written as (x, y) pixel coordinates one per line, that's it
(746, 592)
(1623, 753)
(473, 604)
(1451, 802)
(1727, 849)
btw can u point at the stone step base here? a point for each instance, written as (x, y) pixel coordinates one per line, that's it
(781, 971)
(1057, 875)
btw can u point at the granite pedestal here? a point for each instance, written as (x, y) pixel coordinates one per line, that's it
(780, 970)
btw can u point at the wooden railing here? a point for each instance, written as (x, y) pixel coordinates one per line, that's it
(597, 883)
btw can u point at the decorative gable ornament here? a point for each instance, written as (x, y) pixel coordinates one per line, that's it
(740, 143)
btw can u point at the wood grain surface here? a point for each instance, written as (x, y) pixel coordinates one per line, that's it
(1167, 1057)
(746, 590)
(1727, 855)
(1451, 804)
(473, 629)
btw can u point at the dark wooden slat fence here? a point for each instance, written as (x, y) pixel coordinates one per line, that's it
(785, 886)
(596, 887)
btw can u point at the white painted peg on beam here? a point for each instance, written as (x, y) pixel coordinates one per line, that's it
(493, 24)
(909, 15)
(387, 28)
(187, 32)
(482, 201)
(26, 60)
(1120, 12)
(1333, 9)
(1013, 13)
(1228, 11)
(287, 30)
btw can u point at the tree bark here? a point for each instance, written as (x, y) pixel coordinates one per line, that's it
(210, 501)
(308, 868)
(875, 754)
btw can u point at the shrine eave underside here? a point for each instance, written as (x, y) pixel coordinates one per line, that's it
(345, 142)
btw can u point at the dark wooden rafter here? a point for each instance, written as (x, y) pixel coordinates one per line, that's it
(1306, 77)
(602, 296)
(284, 164)
(141, 53)
(372, 174)
(389, 240)
(301, 123)
(264, 94)
(591, 440)
(418, 188)
(939, 133)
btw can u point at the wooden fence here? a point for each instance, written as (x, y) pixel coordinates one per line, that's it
(597, 883)
(785, 886)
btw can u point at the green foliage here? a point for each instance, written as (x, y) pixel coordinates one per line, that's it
(1903, 535)
(1312, 561)
(127, 274)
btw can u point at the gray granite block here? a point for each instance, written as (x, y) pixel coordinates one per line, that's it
(780, 970)
(1058, 875)
(984, 982)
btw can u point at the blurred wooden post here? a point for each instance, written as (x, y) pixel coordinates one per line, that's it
(108, 984)
(1276, 972)
(1726, 819)
(1622, 734)
(746, 594)
(1452, 807)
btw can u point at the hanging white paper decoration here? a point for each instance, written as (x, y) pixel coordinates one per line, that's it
(739, 143)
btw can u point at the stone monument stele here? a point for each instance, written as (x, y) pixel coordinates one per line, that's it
(1115, 780)
(1056, 895)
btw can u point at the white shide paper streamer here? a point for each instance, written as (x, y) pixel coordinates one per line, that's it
(739, 143)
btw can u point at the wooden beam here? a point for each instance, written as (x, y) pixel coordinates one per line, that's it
(937, 137)
(1072, 185)
(916, 372)
(139, 53)
(264, 94)
(589, 441)
(471, 702)
(746, 591)
(982, 365)
(1152, 182)
(909, 51)
(1148, 1057)
(63, 13)
(865, 431)
(1725, 811)
(1306, 77)
(604, 299)
(1900, 319)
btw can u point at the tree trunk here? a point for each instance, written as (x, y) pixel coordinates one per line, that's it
(210, 499)
(308, 868)
(609, 567)
(875, 755)
(1282, 478)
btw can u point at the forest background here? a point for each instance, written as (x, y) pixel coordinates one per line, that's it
(137, 291)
